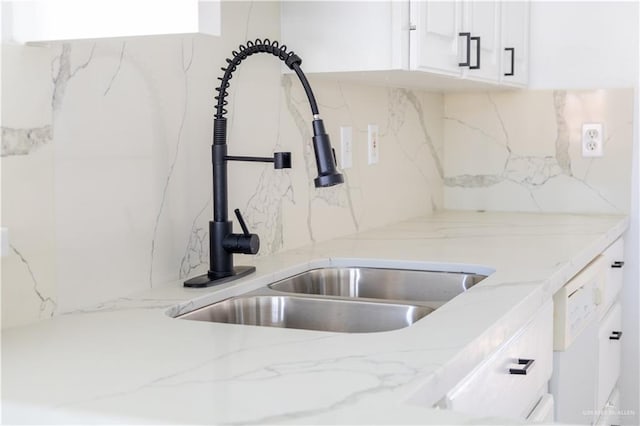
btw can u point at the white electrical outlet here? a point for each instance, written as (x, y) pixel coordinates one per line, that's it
(373, 143)
(592, 140)
(346, 147)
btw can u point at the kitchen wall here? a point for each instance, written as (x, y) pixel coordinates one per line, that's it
(106, 172)
(521, 151)
(594, 45)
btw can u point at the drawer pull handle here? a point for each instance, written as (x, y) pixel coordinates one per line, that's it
(468, 41)
(522, 371)
(615, 335)
(617, 264)
(477, 65)
(513, 54)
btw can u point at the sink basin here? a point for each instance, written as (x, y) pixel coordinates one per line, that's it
(347, 300)
(434, 288)
(311, 314)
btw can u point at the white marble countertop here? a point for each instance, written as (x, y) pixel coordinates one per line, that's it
(128, 361)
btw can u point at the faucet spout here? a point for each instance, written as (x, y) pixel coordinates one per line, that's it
(223, 243)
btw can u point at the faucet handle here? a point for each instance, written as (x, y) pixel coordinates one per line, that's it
(245, 243)
(243, 225)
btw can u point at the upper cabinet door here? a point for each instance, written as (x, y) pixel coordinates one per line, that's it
(482, 20)
(56, 20)
(515, 43)
(339, 36)
(412, 43)
(435, 41)
(458, 38)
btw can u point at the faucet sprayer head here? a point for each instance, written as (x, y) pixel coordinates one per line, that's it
(325, 158)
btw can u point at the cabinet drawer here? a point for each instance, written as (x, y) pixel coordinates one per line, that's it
(614, 256)
(493, 390)
(609, 340)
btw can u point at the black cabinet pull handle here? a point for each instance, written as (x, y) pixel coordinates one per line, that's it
(615, 335)
(617, 264)
(513, 55)
(468, 62)
(522, 371)
(477, 65)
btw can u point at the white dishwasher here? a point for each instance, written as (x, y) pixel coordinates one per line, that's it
(575, 345)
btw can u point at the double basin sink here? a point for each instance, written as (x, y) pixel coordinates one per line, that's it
(348, 300)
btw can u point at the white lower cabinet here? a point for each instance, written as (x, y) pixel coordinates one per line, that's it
(509, 383)
(574, 381)
(564, 364)
(588, 328)
(614, 256)
(609, 336)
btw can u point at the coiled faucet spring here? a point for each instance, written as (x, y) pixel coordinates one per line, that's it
(292, 61)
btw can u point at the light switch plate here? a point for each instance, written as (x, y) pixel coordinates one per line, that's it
(346, 147)
(373, 143)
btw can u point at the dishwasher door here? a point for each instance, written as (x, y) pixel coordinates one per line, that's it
(573, 384)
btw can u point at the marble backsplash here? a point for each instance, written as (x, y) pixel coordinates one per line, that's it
(106, 170)
(521, 151)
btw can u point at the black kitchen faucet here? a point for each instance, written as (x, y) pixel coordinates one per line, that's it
(223, 243)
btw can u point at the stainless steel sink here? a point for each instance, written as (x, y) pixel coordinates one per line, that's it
(348, 300)
(311, 313)
(434, 288)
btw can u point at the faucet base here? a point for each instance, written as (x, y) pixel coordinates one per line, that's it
(205, 281)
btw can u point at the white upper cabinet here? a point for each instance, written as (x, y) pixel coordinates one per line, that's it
(436, 44)
(482, 20)
(457, 38)
(434, 37)
(336, 36)
(515, 43)
(55, 20)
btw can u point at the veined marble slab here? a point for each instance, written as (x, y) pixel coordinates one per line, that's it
(106, 160)
(130, 361)
(522, 151)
